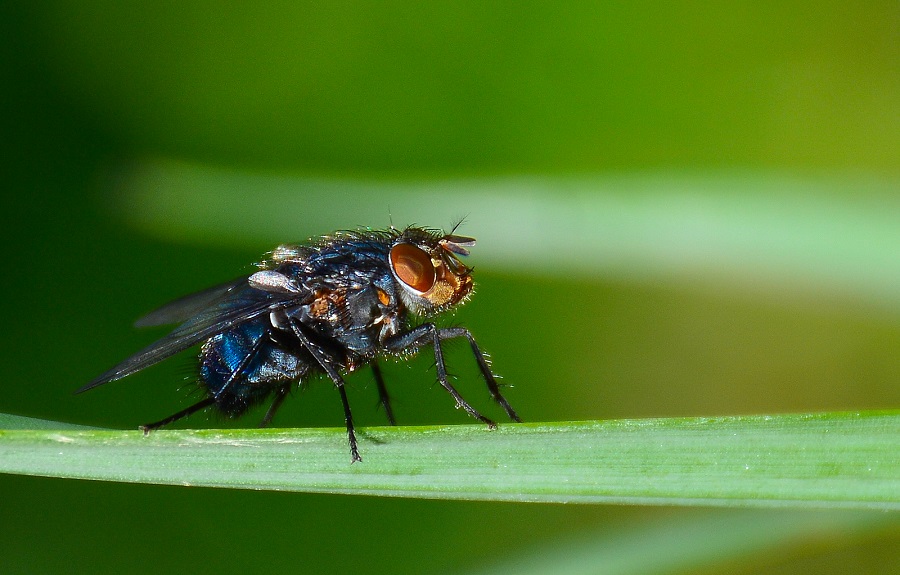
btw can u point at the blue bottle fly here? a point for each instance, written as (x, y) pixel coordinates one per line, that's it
(329, 307)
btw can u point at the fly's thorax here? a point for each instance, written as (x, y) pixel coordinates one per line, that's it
(429, 276)
(358, 317)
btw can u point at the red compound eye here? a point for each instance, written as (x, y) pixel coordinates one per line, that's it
(413, 267)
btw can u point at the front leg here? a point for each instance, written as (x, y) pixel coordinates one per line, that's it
(429, 334)
(483, 365)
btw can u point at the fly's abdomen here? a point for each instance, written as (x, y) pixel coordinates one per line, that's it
(243, 366)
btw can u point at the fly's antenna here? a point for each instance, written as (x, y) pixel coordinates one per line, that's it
(458, 223)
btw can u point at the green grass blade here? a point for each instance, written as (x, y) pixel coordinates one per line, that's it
(690, 542)
(848, 460)
(749, 231)
(9, 421)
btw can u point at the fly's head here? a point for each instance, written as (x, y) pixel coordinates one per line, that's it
(426, 268)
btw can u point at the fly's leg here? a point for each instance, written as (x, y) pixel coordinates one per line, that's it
(280, 396)
(486, 372)
(383, 394)
(348, 417)
(175, 417)
(325, 362)
(426, 334)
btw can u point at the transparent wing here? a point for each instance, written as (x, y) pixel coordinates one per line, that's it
(241, 305)
(184, 308)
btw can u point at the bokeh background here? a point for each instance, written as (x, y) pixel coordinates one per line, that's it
(146, 148)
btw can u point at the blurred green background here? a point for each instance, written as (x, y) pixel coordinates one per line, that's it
(270, 110)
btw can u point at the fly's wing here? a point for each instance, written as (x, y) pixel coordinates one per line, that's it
(184, 308)
(241, 305)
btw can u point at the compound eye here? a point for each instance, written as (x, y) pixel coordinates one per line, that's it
(413, 267)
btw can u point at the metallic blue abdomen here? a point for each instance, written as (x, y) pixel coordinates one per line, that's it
(243, 366)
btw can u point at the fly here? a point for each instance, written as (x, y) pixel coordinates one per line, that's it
(328, 307)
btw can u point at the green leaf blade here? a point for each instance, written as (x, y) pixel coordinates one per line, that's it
(838, 460)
